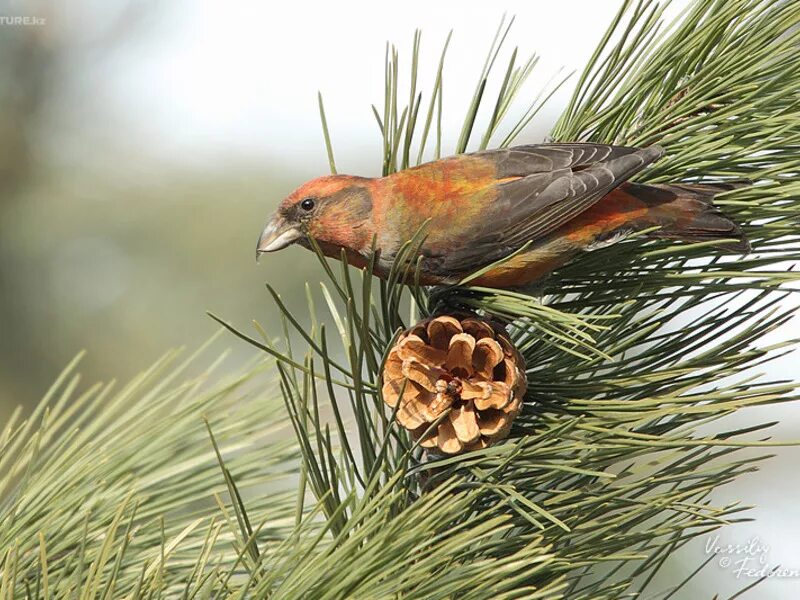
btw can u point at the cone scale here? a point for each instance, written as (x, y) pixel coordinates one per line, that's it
(457, 383)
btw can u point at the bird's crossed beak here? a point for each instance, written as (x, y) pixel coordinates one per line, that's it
(276, 235)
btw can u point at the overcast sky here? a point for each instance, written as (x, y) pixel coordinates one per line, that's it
(204, 82)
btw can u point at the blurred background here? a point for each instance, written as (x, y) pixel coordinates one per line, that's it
(143, 144)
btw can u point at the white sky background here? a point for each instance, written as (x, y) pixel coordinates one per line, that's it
(230, 85)
(216, 83)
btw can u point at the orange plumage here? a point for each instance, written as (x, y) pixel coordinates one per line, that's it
(543, 204)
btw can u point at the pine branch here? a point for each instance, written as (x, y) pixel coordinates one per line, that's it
(631, 353)
(104, 492)
(616, 375)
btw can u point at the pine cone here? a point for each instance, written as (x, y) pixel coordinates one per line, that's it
(464, 365)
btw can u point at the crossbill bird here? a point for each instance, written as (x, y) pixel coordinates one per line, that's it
(537, 206)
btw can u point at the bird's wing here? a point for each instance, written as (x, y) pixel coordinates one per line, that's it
(539, 188)
(521, 161)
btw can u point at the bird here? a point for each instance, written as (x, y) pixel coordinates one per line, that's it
(503, 218)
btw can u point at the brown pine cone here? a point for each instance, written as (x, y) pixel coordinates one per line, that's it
(464, 365)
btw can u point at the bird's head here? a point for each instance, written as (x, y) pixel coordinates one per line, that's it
(334, 210)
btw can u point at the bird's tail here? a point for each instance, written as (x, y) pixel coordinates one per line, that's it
(687, 212)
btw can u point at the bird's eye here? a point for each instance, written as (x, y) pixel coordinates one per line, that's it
(307, 204)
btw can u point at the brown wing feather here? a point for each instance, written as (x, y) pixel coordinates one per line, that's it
(556, 183)
(520, 161)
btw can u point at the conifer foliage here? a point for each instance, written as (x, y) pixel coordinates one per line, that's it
(631, 356)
